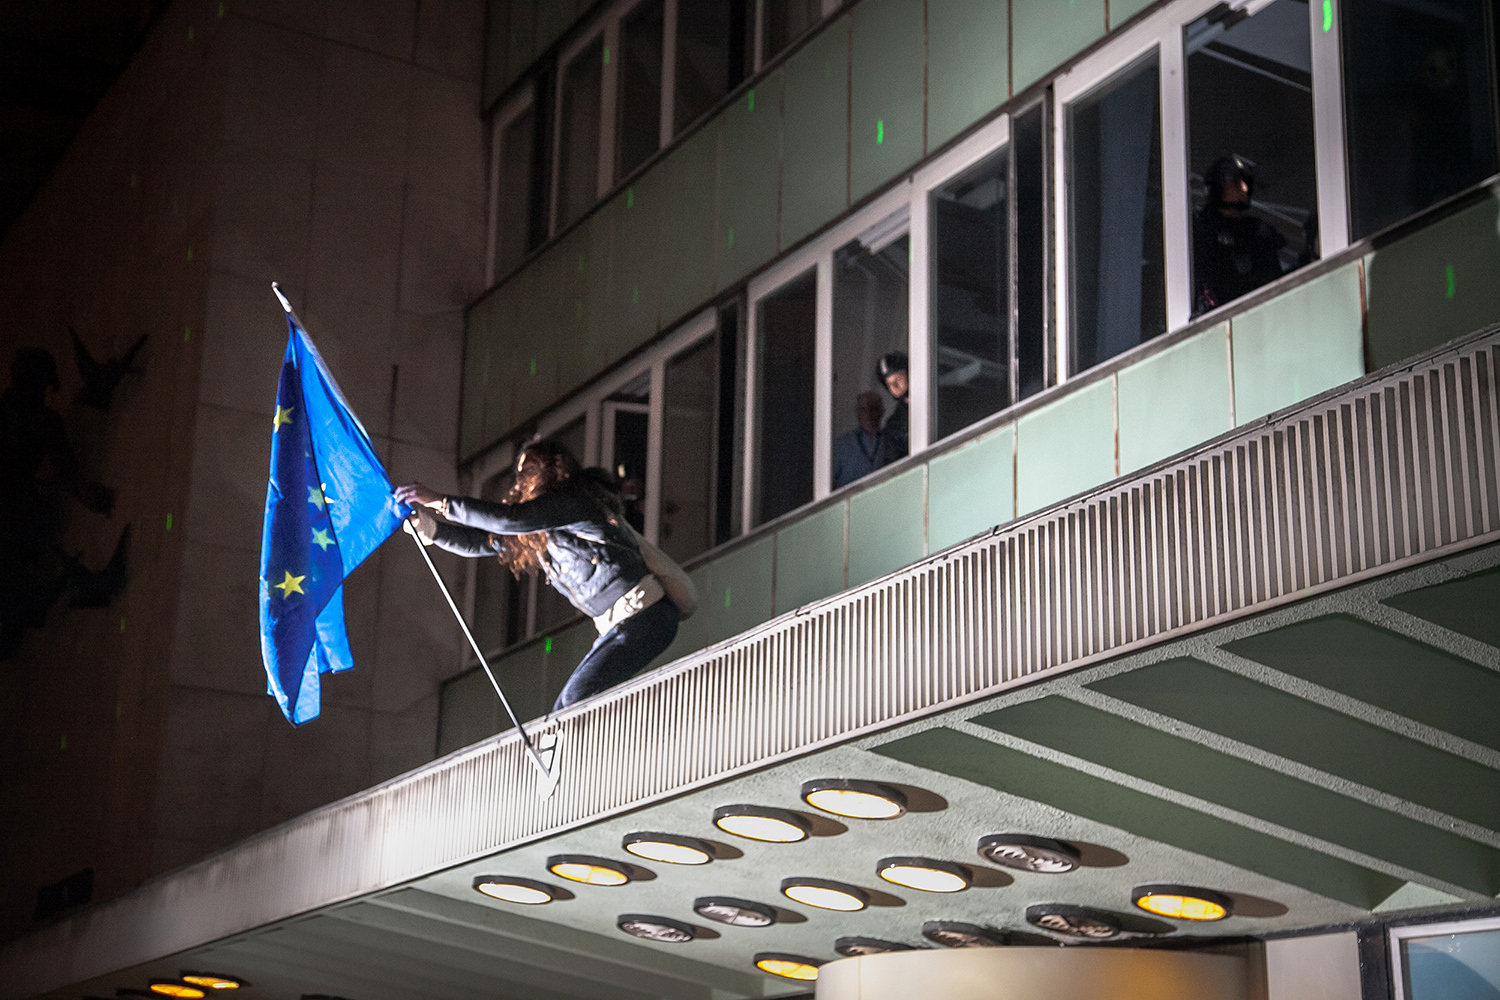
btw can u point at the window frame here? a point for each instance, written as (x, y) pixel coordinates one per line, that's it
(1395, 936)
(501, 118)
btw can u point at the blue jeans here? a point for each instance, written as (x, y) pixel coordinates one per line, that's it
(621, 653)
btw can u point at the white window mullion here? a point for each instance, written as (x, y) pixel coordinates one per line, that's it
(653, 451)
(920, 399)
(1328, 131)
(1174, 179)
(823, 382)
(1061, 278)
(748, 385)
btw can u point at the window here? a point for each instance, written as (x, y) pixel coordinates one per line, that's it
(1418, 93)
(1454, 961)
(625, 443)
(785, 21)
(1118, 289)
(515, 193)
(785, 343)
(1250, 149)
(713, 54)
(638, 106)
(579, 119)
(1032, 204)
(689, 439)
(870, 282)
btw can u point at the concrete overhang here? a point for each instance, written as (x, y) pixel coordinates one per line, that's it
(1268, 667)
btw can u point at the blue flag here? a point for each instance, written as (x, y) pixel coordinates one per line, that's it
(328, 506)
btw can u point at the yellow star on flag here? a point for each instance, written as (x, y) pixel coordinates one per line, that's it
(283, 416)
(321, 539)
(291, 585)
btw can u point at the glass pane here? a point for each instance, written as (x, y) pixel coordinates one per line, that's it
(712, 45)
(1250, 149)
(498, 616)
(578, 135)
(870, 281)
(1418, 87)
(513, 199)
(785, 21)
(552, 608)
(731, 431)
(971, 296)
(787, 321)
(1029, 146)
(1118, 280)
(1453, 966)
(638, 122)
(687, 451)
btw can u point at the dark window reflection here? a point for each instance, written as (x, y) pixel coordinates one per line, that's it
(1033, 250)
(1118, 279)
(687, 450)
(1250, 149)
(971, 296)
(785, 21)
(578, 135)
(513, 199)
(785, 344)
(638, 122)
(871, 277)
(1418, 92)
(713, 48)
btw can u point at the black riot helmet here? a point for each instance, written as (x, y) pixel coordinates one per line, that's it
(890, 364)
(1227, 170)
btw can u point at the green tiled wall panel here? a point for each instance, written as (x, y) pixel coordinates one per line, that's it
(1047, 33)
(810, 558)
(968, 64)
(686, 256)
(1121, 11)
(886, 69)
(584, 253)
(886, 525)
(1066, 447)
(1436, 284)
(1174, 400)
(1298, 344)
(534, 347)
(692, 635)
(971, 489)
(749, 178)
(523, 677)
(738, 595)
(468, 712)
(636, 278)
(815, 134)
(501, 340)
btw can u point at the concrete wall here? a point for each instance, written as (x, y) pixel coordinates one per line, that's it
(335, 146)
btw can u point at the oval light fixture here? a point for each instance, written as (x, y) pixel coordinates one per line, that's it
(824, 894)
(176, 988)
(774, 826)
(1182, 902)
(1074, 921)
(927, 874)
(588, 869)
(854, 947)
(213, 981)
(1026, 853)
(854, 799)
(514, 889)
(786, 966)
(663, 929)
(733, 911)
(668, 848)
(957, 934)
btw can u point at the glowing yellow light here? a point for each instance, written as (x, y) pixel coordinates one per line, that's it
(580, 871)
(212, 982)
(926, 879)
(1182, 907)
(513, 893)
(855, 805)
(669, 853)
(824, 897)
(788, 968)
(178, 990)
(767, 828)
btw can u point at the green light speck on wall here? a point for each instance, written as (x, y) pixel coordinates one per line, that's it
(533, 366)
(880, 132)
(752, 99)
(731, 236)
(1327, 15)
(726, 597)
(547, 644)
(630, 197)
(1452, 283)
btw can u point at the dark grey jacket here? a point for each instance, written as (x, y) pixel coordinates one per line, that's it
(592, 558)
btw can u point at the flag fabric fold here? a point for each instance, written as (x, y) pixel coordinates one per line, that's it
(328, 506)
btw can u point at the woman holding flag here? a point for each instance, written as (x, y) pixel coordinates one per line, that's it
(560, 521)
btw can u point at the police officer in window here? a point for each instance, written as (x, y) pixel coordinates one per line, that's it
(1234, 250)
(893, 433)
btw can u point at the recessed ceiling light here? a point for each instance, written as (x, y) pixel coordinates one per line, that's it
(213, 981)
(735, 912)
(776, 826)
(176, 988)
(824, 894)
(514, 889)
(1182, 902)
(926, 874)
(668, 848)
(1074, 921)
(788, 966)
(662, 929)
(956, 934)
(853, 947)
(588, 869)
(1042, 855)
(854, 799)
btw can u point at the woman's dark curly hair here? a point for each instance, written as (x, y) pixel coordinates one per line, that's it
(541, 467)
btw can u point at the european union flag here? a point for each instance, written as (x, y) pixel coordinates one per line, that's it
(328, 506)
